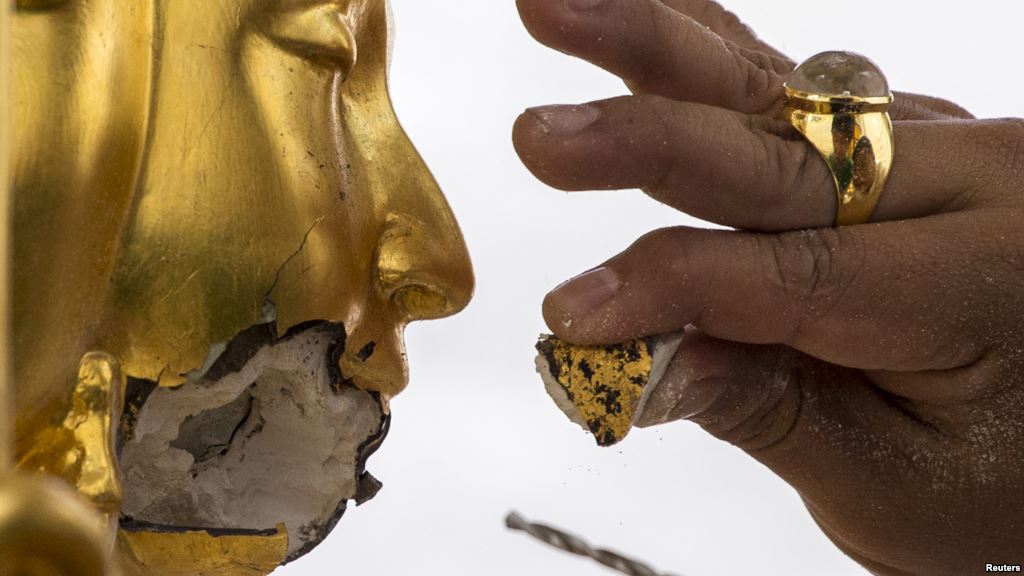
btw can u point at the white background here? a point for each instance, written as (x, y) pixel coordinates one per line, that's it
(475, 435)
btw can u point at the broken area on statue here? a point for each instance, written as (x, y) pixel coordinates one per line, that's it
(268, 432)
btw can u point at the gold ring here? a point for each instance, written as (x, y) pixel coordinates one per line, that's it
(840, 102)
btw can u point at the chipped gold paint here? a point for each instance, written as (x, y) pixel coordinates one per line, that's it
(184, 170)
(81, 449)
(605, 383)
(198, 553)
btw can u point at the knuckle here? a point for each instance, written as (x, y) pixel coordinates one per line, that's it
(724, 21)
(808, 171)
(772, 201)
(667, 246)
(767, 62)
(658, 240)
(794, 187)
(810, 269)
(799, 176)
(649, 51)
(761, 87)
(713, 13)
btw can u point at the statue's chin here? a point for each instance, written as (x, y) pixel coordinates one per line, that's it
(271, 434)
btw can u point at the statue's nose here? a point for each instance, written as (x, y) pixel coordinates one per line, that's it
(422, 271)
(423, 267)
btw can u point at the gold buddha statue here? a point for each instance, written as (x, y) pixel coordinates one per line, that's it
(219, 234)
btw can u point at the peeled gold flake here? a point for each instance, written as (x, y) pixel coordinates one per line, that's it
(603, 388)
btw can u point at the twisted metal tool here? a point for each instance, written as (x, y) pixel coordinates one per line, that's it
(569, 543)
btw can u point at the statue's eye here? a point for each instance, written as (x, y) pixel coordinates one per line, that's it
(317, 31)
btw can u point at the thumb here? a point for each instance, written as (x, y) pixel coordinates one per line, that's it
(825, 430)
(747, 395)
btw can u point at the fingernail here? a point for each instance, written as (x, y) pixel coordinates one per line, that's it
(583, 294)
(565, 120)
(694, 380)
(681, 400)
(581, 5)
(697, 397)
(687, 400)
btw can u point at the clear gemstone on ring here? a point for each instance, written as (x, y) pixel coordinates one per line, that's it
(839, 74)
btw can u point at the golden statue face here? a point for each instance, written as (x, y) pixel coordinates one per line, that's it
(191, 174)
(279, 184)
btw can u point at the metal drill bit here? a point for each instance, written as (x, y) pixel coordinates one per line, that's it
(569, 543)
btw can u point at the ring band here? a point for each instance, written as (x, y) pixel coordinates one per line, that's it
(839, 102)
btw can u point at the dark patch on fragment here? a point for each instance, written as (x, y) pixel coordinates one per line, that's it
(136, 394)
(366, 351)
(609, 399)
(241, 349)
(314, 533)
(587, 371)
(210, 433)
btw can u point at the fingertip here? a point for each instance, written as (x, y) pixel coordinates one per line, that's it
(557, 143)
(557, 321)
(528, 135)
(569, 26)
(525, 130)
(540, 18)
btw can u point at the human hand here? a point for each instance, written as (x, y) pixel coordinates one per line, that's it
(878, 369)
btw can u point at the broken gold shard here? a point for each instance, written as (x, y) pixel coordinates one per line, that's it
(597, 387)
(271, 434)
(604, 388)
(200, 552)
(81, 449)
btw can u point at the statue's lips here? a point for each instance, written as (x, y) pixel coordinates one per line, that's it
(271, 434)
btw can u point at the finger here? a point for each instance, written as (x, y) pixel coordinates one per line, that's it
(732, 29)
(729, 26)
(733, 169)
(824, 430)
(897, 296)
(656, 50)
(684, 49)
